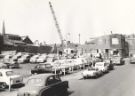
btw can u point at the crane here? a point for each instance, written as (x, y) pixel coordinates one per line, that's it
(57, 25)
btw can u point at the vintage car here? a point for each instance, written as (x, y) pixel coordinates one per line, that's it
(42, 68)
(3, 66)
(24, 59)
(16, 57)
(102, 66)
(9, 77)
(7, 58)
(44, 85)
(10, 62)
(91, 72)
(117, 60)
(109, 64)
(34, 58)
(41, 58)
(132, 59)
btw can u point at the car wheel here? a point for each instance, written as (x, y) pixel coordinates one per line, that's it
(3, 85)
(65, 92)
(84, 77)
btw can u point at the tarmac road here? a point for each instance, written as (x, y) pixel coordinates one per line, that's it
(119, 82)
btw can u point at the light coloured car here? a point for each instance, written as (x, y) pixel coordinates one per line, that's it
(91, 72)
(3, 66)
(117, 60)
(24, 59)
(80, 62)
(9, 77)
(16, 56)
(41, 58)
(34, 58)
(7, 58)
(102, 66)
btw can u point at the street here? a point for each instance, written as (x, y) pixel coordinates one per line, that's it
(118, 82)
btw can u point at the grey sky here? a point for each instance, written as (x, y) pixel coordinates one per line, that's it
(90, 18)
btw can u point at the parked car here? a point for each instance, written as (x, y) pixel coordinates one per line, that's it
(41, 58)
(24, 59)
(80, 62)
(16, 57)
(117, 60)
(12, 64)
(44, 85)
(42, 68)
(91, 72)
(109, 64)
(3, 66)
(7, 58)
(102, 66)
(9, 77)
(34, 58)
(132, 59)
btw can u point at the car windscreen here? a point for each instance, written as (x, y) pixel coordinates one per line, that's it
(92, 69)
(10, 73)
(35, 82)
(48, 65)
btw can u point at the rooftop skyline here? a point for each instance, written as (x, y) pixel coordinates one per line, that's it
(89, 18)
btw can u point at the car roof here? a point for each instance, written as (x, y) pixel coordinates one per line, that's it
(46, 63)
(44, 76)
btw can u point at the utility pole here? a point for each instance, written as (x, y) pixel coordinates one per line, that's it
(79, 37)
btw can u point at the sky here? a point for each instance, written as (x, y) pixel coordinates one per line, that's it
(89, 18)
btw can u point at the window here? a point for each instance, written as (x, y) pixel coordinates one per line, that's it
(53, 80)
(35, 82)
(9, 73)
(115, 41)
(50, 80)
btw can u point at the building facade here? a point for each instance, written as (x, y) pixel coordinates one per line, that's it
(107, 45)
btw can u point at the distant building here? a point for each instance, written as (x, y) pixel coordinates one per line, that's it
(131, 43)
(106, 45)
(16, 43)
(26, 40)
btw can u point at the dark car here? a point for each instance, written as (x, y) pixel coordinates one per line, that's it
(109, 64)
(44, 85)
(42, 68)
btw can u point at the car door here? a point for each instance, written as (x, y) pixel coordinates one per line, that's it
(51, 88)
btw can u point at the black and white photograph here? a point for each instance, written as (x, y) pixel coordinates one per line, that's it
(67, 47)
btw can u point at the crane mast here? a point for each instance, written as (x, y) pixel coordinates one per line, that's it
(56, 24)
